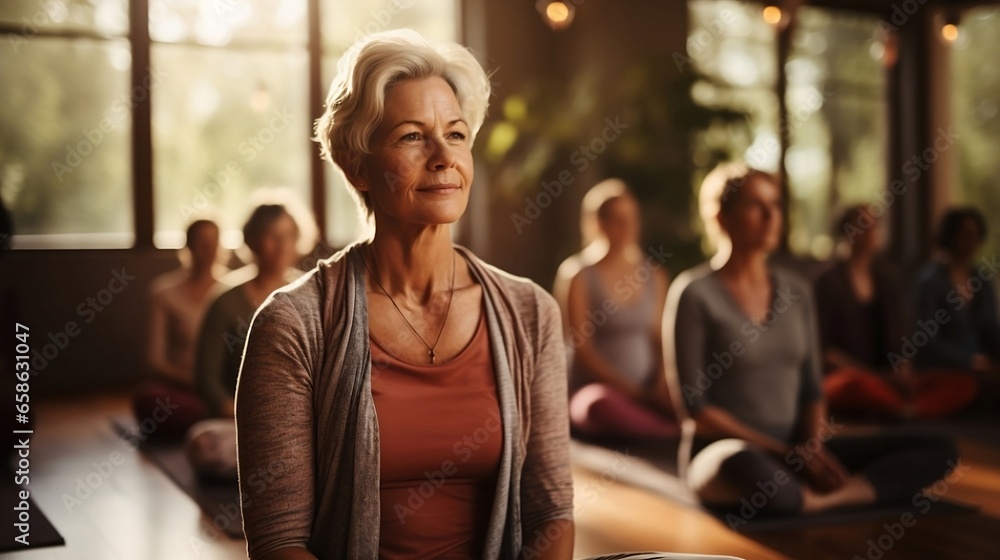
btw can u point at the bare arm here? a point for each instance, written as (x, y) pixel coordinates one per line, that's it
(717, 422)
(560, 289)
(156, 345)
(823, 470)
(813, 420)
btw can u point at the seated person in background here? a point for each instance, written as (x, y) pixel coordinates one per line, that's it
(617, 384)
(595, 245)
(861, 325)
(742, 352)
(958, 295)
(179, 301)
(274, 236)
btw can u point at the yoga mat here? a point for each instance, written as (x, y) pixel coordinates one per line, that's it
(760, 523)
(41, 533)
(653, 469)
(219, 501)
(978, 430)
(649, 467)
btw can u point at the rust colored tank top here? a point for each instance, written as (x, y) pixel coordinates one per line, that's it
(441, 440)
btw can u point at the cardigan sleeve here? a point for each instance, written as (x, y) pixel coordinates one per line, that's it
(546, 479)
(274, 422)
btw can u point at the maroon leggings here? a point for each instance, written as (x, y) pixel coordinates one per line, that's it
(165, 413)
(937, 394)
(598, 409)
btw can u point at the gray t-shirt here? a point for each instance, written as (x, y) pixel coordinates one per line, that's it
(761, 373)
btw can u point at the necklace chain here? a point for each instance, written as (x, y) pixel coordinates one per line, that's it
(451, 295)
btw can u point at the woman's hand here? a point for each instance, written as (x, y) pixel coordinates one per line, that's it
(823, 473)
(983, 363)
(904, 381)
(657, 398)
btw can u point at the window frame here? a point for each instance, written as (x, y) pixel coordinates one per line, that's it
(142, 188)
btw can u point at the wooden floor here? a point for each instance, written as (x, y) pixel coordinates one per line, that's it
(138, 514)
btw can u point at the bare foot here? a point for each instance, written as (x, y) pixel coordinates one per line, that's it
(857, 490)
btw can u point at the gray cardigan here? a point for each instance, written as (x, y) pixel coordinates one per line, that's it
(308, 436)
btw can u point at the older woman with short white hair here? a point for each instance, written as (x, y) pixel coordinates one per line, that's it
(405, 399)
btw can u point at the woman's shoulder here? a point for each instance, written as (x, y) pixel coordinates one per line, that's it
(694, 282)
(584, 274)
(301, 294)
(224, 297)
(832, 272)
(789, 279)
(527, 296)
(932, 272)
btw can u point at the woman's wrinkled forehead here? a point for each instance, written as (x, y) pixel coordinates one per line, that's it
(420, 101)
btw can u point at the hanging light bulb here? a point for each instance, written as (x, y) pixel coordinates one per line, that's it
(949, 32)
(772, 15)
(557, 14)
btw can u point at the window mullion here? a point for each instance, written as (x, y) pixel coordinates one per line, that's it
(142, 146)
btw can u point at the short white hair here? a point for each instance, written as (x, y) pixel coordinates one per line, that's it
(355, 104)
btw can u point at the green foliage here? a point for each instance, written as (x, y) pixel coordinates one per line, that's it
(544, 125)
(976, 109)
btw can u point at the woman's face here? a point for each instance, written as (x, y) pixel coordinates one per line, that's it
(621, 222)
(420, 169)
(754, 221)
(967, 239)
(204, 246)
(870, 238)
(275, 250)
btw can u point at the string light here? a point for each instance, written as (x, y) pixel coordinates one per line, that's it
(557, 14)
(949, 32)
(772, 15)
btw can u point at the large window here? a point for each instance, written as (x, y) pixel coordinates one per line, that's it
(65, 121)
(834, 130)
(735, 52)
(230, 111)
(976, 106)
(836, 122)
(228, 86)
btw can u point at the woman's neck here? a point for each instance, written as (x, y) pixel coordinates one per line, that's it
(747, 266)
(269, 279)
(202, 275)
(957, 263)
(414, 264)
(860, 260)
(623, 254)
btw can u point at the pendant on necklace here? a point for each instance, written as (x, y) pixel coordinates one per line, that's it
(431, 354)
